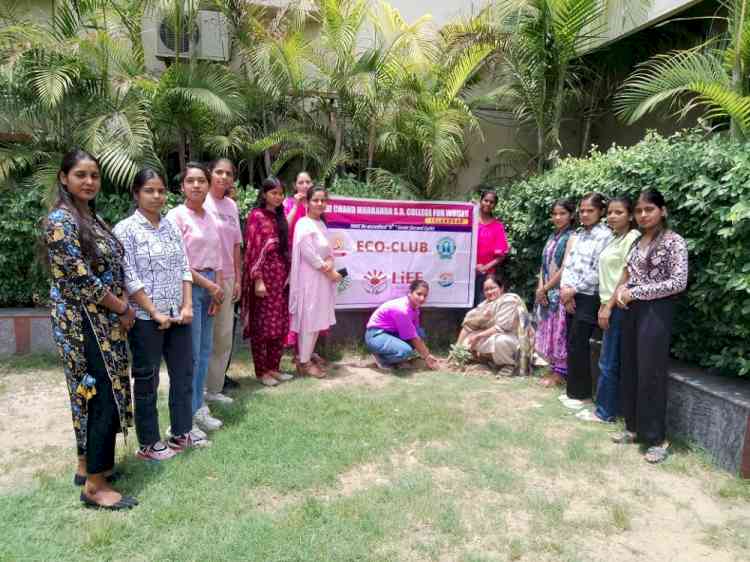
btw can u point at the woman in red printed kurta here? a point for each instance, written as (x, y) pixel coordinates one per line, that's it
(265, 294)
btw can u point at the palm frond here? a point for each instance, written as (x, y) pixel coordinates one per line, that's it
(669, 78)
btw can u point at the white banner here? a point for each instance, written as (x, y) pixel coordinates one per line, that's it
(385, 245)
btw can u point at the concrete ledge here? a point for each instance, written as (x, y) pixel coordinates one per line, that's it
(25, 330)
(712, 412)
(709, 411)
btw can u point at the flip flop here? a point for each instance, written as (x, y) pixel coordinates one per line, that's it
(126, 502)
(657, 453)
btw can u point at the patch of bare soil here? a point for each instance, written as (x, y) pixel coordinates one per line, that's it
(355, 373)
(36, 432)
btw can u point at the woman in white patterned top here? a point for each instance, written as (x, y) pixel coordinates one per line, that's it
(159, 282)
(579, 294)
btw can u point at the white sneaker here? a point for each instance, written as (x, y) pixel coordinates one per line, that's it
(204, 420)
(589, 416)
(195, 430)
(217, 397)
(283, 377)
(198, 432)
(573, 404)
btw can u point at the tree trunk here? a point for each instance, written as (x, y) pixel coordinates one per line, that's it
(266, 154)
(181, 142)
(371, 146)
(557, 109)
(588, 118)
(251, 170)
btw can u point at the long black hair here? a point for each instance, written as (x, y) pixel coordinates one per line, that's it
(65, 200)
(268, 184)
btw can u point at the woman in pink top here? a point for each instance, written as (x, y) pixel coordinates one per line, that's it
(394, 334)
(295, 206)
(492, 244)
(200, 234)
(312, 284)
(222, 175)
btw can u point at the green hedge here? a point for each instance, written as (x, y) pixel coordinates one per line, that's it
(706, 181)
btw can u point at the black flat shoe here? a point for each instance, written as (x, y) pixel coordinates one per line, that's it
(126, 502)
(80, 479)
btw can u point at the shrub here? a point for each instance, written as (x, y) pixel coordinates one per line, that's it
(706, 181)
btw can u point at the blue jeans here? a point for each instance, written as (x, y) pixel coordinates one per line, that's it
(389, 349)
(203, 337)
(608, 389)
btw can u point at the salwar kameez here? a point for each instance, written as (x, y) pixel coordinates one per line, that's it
(510, 344)
(265, 319)
(312, 294)
(551, 331)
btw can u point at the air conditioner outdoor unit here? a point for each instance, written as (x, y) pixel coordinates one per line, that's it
(208, 39)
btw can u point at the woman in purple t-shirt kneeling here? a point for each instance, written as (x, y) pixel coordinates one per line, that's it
(393, 332)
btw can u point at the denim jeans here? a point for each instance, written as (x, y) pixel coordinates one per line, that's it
(148, 344)
(203, 337)
(389, 349)
(608, 390)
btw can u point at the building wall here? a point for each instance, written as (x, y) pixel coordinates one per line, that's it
(629, 16)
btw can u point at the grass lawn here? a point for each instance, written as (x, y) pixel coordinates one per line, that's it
(373, 467)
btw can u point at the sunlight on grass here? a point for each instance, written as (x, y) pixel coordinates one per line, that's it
(421, 467)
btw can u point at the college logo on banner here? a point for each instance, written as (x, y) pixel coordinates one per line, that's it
(375, 282)
(446, 247)
(446, 279)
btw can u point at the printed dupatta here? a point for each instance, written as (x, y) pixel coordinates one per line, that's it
(552, 260)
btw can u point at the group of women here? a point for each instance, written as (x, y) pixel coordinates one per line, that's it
(165, 287)
(622, 281)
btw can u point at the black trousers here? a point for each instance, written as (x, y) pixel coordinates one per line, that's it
(646, 335)
(148, 344)
(581, 326)
(103, 418)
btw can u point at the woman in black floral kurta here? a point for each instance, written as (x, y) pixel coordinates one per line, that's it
(90, 317)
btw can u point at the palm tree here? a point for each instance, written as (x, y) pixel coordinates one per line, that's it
(68, 82)
(426, 136)
(712, 77)
(536, 46)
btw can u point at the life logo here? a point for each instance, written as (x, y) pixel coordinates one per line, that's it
(446, 279)
(446, 247)
(375, 282)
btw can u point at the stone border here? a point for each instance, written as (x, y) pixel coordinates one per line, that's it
(25, 330)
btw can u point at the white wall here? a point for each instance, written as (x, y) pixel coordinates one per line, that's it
(629, 16)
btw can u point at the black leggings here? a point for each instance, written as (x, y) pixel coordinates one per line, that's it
(103, 417)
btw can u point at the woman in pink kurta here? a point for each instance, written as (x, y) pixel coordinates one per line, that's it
(312, 284)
